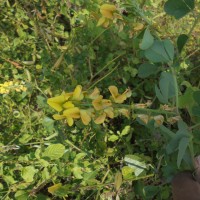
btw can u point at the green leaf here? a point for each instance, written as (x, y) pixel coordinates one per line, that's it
(181, 41)
(196, 111)
(113, 138)
(183, 144)
(25, 138)
(166, 87)
(127, 172)
(146, 70)
(21, 195)
(196, 96)
(48, 123)
(54, 151)
(160, 51)
(126, 130)
(178, 8)
(169, 48)
(28, 173)
(118, 180)
(147, 40)
(136, 163)
(77, 171)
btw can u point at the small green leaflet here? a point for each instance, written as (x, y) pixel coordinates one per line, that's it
(166, 87)
(54, 151)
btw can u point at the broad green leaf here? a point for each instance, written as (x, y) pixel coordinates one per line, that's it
(196, 96)
(146, 70)
(169, 48)
(147, 40)
(136, 163)
(166, 87)
(113, 138)
(118, 180)
(54, 151)
(196, 111)
(9, 180)
(158, 52)
(28, 173)
(181, 133)
(21, 195)
(183, 144)
(181, 41)
(178, 8)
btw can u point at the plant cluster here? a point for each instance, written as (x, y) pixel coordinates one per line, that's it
(98, 99)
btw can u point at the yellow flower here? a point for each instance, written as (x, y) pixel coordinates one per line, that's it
(57, 102)
(77, 94)
(107, 10)
(100, 119)
(85, 116)
(99, 103)
(119, 98)
(95, 94)
(71, 114)
(109, 112)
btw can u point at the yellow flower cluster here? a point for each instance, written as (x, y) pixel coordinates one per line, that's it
(108, 12)
(88, 106)
(7, 86)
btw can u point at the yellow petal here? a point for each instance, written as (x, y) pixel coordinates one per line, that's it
(72, 112)
(97, 103)
(56, 102)
(58, 117)
(107, 14)
(108, 7)
(55, 106)
(106, 103)
(77, 94)
(68, 104)
(101, 21)
(95, 94)
(70, 121)
(100, 119)
(85, 117)
(113, 90)
(106, 23)
(109, 112)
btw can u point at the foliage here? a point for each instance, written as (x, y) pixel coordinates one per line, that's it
(69, 55)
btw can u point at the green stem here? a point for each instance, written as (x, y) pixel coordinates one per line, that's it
(103, 77)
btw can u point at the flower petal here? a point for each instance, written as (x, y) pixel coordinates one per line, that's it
(77, 94)
(72, 112)
(95, 94)
(68, 104)
(100, 119)
(58, 117)
(55, 106)
(101, 21)
(85, 117)
(70, 121)
(109, 112)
